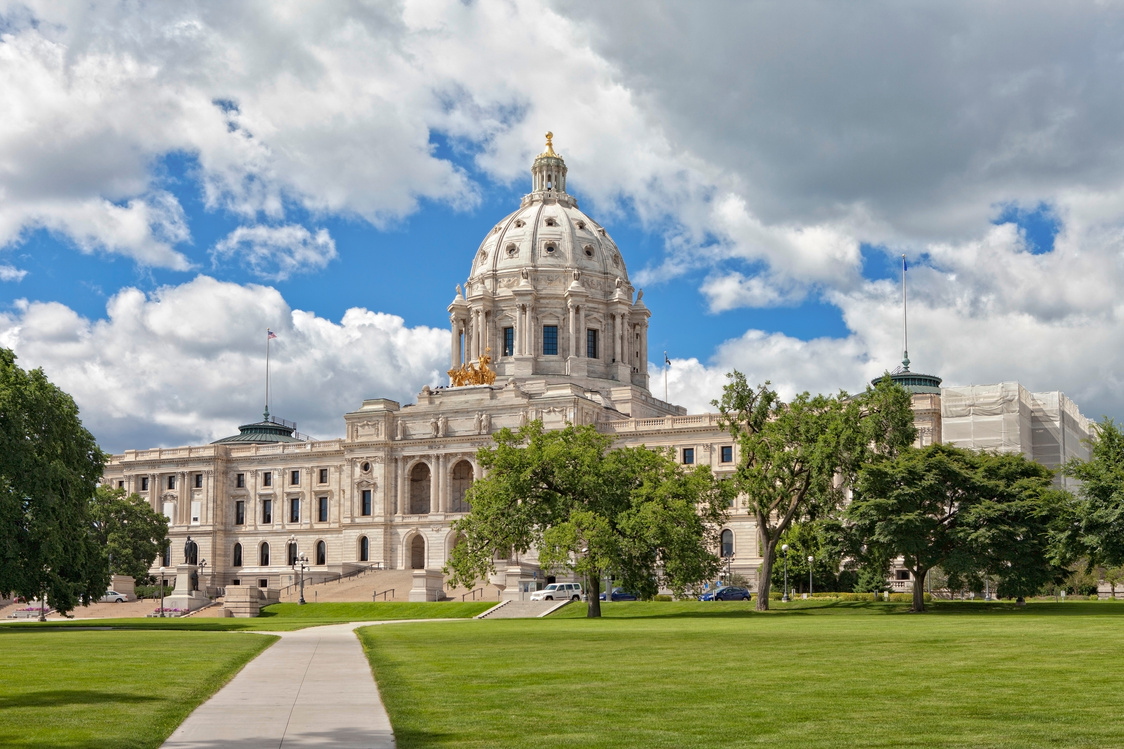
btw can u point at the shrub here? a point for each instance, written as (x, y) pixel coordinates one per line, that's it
(662, 597)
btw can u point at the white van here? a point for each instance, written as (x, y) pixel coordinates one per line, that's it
(558, 592)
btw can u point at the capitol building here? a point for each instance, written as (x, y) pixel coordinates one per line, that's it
(548, 327)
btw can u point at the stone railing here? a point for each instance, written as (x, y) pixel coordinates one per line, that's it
(628, 426)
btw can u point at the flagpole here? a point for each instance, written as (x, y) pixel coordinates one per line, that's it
(666, 366)
(267, 332)
(905, 319)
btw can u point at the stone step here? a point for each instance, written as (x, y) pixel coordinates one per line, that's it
(523, 609)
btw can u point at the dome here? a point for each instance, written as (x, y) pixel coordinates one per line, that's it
(548, 232)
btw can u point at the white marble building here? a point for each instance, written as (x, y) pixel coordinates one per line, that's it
(549, 299)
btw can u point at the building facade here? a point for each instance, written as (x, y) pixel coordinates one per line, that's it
(547, 326)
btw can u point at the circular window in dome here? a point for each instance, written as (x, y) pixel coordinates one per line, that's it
(588, 251)
(512, 250)
(365, 467)
(581, 224)
(519, 223)
(550, 249)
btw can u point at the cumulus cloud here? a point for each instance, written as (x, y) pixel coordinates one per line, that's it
(180, 365)
(277, 252)
(11, 273)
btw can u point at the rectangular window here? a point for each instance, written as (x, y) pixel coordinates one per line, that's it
(267, 511)
(323, 475)
(550, 340)
(727, 454)
(322, 515)
(239, 513)
(171, 482)
(198, 481)
(294, 478)
(509, 341)
(688, 456)
(591, 343)
(366, 502)
(240, 481)
(294, 510)
(144, 483)
(120, 484)
(267, 479)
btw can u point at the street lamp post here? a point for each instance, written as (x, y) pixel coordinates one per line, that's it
(784, 550)
(810, 560)
(162, 571)
(300, 564)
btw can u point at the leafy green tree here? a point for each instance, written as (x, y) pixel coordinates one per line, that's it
(1099, 531)
(631, 512)
(796, 459)
(49, 469)
(130, 531)
(810, 538)
(971, 513)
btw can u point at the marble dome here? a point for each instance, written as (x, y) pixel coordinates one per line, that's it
(548, 232)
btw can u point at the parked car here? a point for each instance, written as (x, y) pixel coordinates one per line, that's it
(731, 593)
(559, 592)
(112, 596)
(619, 594)
(707, 596)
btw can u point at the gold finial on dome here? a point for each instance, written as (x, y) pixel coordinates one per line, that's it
(549, 147)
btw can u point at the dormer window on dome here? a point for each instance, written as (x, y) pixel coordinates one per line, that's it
(519, 223)
(512, 250)
(551, 222)
(589, 250)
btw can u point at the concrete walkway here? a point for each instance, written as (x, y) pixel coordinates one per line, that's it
(313, 688)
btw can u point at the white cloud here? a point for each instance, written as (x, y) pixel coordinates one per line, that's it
(11, 273)
(277, 252)
(180, 365)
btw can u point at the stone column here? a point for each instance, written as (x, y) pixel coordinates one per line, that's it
(401, 468)
(573, 329)
(435, 484)
(617, 319)
(456, 342)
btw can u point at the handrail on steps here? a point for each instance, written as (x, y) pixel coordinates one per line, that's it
(375, 596)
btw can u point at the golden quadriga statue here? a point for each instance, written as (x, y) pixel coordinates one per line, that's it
(473, 374)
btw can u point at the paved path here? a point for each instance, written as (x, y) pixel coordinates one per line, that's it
(313, 688)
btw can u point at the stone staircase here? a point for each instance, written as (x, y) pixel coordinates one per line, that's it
(367, 586)
(523, 609)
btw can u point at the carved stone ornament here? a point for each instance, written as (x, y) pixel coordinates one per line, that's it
(473, 374)
(400, 429)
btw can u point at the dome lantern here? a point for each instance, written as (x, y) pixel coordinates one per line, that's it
(548, 173)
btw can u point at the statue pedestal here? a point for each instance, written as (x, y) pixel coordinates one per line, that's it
(183, 596)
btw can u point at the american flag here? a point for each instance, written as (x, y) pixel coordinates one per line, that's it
(272, 335)
(666, 360)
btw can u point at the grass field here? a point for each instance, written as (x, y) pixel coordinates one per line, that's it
(110, 690)
(814, 674)
(283, 617)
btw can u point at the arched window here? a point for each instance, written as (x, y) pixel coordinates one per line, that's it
(237, 555)
(727, 543)
(419, 489)
(321, 553)
(417, 553)
(364, 550)
(263, 555)
(292, 553)
(462, 479)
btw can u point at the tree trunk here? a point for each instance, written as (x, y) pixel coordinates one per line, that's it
(593, 591)
(919, 590)
(765, 581)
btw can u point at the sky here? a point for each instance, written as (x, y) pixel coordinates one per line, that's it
(175, 178)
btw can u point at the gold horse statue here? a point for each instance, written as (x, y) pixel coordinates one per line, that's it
(474, 374)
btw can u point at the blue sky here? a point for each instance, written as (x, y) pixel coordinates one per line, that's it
(176, 179)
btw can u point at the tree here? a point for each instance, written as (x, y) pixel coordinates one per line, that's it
(810, 539)
(1099, 531)
(971, 513)
(49, 468)
(130, 531)
(796, 459)
(630, 512)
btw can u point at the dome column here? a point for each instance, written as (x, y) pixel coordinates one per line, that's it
(619, 308)
(577, 365)
(458, 320)
(524, 295)
(641, 314)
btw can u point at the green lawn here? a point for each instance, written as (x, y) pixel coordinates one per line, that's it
(283, 617)
(110, 690)
(814, 674)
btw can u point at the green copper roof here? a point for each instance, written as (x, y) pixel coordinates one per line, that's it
(913, 381)
(267, 431)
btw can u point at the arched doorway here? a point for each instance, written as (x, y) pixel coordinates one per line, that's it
(419, 489)
(458, 487)
(417, 553)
